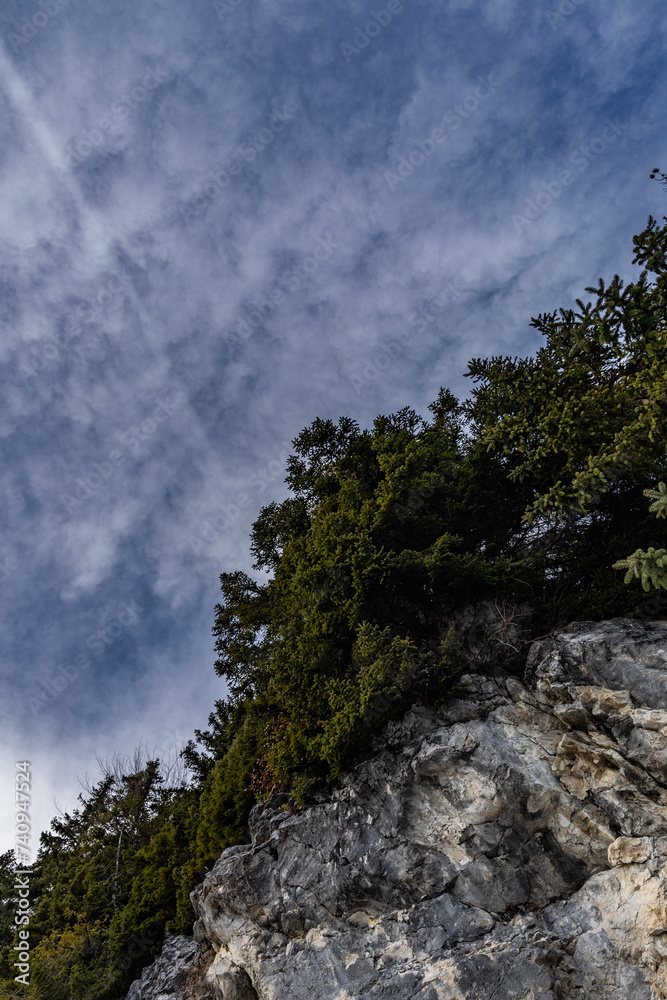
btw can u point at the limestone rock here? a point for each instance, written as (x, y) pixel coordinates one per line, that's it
(168, 975)
(512, 844)
(630, 850)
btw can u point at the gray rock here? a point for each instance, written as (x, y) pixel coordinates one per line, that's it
(510, 845)
(168, 975)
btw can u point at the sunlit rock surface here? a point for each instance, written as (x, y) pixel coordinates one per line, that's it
(512, 845)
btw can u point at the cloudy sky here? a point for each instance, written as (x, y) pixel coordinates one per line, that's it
(220, 220)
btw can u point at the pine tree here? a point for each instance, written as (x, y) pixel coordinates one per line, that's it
(651, 566)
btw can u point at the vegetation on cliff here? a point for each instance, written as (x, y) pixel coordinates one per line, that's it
(530, 493)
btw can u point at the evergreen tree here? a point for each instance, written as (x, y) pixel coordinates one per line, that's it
(650, 567)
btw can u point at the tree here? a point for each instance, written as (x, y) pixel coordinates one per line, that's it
(650, 567)
(584, 422)
(106, 872)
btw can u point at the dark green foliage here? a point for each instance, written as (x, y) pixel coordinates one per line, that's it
(8, 897)
(526, 494)
(584, 423)
(106, 886)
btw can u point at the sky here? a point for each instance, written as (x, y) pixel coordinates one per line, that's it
(221, 220)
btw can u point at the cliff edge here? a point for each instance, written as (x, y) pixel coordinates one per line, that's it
(510, 845)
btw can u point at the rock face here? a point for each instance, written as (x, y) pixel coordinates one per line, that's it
(167, 976)
(511, 845)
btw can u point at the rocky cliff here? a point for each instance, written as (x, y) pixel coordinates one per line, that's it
(511, 845)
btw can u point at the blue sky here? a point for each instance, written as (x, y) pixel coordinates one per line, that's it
(219, 221)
